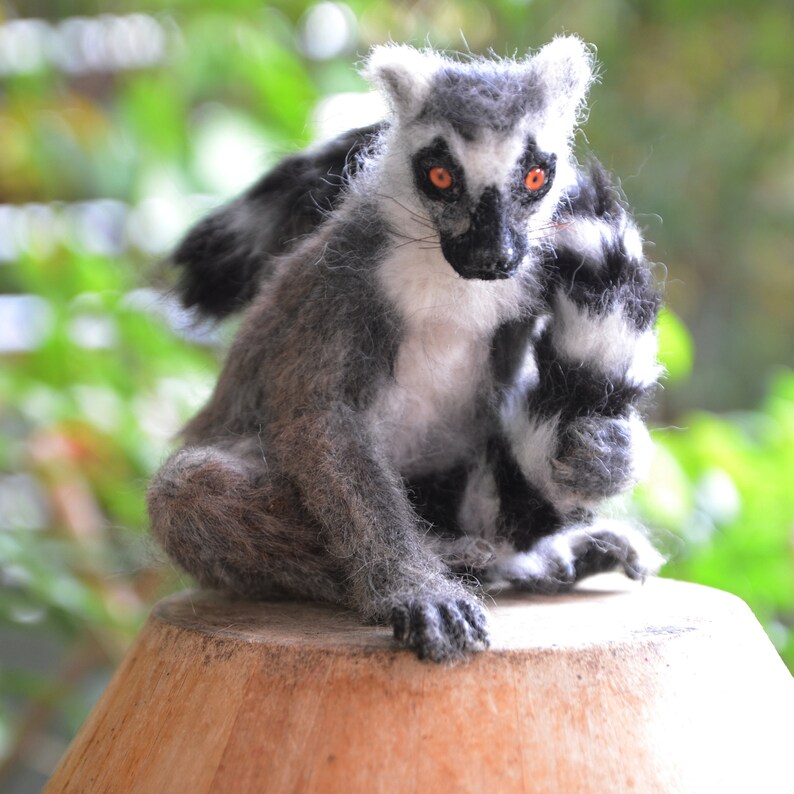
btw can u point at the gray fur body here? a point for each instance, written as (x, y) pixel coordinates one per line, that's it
(394, 361)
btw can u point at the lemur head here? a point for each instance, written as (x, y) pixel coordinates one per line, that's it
(478, 151)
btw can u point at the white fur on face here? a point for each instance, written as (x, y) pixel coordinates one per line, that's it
(390, 181)
(488, 160)
(425, 289)
(417, 277)
(491, 161)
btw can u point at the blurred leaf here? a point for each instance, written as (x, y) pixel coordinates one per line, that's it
(676, 350)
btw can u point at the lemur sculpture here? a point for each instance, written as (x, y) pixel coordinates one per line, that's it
(440, 372)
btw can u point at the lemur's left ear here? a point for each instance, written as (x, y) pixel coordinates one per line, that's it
(403, 73)
(566, 67)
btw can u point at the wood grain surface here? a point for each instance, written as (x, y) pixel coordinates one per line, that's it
(616, 687)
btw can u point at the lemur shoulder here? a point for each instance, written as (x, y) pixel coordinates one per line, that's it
(448, 338)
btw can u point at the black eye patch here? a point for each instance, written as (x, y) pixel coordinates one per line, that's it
(531, 159)
(437, 155)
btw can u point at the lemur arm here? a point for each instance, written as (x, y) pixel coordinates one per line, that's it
(577, 436)
(372, 532)
(330, 344)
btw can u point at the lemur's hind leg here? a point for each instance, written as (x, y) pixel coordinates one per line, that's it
(233, 525)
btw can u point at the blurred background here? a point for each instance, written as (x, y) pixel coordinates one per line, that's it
(122, 121)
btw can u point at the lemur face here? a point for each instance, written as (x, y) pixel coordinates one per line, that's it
(481, 149)
(483, 219)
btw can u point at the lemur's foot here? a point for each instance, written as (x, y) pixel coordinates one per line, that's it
(441, 628)
(598, 457)
(557, 562)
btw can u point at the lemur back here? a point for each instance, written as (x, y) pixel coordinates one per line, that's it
(441, 376)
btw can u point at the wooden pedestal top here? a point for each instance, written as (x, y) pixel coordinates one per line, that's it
(606, 610)
(616, 687)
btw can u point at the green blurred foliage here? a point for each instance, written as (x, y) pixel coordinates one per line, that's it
(719, 495)
(695, 111)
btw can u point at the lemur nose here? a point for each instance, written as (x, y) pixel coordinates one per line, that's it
(487, 220)
(490, 248)
(490, 232)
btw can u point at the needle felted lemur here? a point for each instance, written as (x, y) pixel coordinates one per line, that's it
(449, 335)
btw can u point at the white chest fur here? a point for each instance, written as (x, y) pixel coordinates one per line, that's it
(427, 415)
(428, 411)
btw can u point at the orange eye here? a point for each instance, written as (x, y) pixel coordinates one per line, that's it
(440, 177)
(536, 178)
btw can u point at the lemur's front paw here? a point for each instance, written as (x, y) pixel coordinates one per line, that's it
(612, 546)
(599, 457)
(556, 563)
(441, 628)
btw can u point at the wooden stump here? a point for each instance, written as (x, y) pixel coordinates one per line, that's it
(667, 687)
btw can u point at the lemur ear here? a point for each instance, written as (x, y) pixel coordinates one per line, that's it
(403, 73)
(566, 67)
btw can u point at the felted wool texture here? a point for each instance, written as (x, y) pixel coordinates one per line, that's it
(427, 382)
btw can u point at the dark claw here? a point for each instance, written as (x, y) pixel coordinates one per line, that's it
(477, 620)
(604, 551)
(399, 619)
(441, 629)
